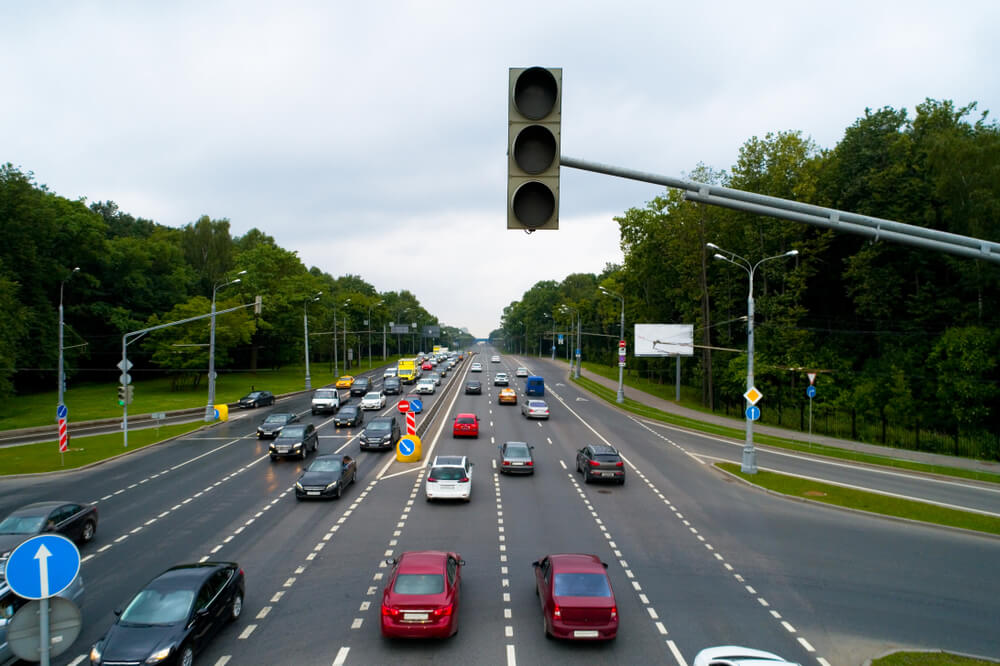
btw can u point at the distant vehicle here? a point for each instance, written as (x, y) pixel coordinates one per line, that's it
(421, 598)
(326, 476)
(600, 461)
(389, 372)
(392, 386)
(507, 396)
(476, 367)
(380, 433)
(373, 400)
(474, 386)
(535, 409)
(256, 399)
(425, 386)
(174, 616)
(500, 379)
(494, 359)
(427, 366)
(450, 477)
(349, 415)
(521, 372)
(576, 596)
(406, 369)
(361, 386)
(436, 376)
(273, 424)
(295, 440)
(10, 603)
(534, 385)
(345, 381)
(76, 522)
(325, 400)
(465, 425)
(516, 458)
(734, 655)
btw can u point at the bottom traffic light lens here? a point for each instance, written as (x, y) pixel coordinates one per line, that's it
(533, 204)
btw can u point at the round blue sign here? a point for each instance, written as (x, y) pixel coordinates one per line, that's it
(753, 412)
(62, 412)
(811, 391)
(43, 566)
(416, 405)
(406, 446)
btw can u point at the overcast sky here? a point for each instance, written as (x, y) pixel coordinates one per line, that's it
(370, 138)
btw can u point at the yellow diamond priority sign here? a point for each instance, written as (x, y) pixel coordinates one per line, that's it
(753, 396)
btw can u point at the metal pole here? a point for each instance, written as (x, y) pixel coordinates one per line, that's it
(383, 342)
(677, 379)
(44, 645)
(553, 338)
(749, 463)
(305, 326)
(125, 406)
(336, 366)
(810, 420)
(579, 342)
(210, 407)
(620, 398)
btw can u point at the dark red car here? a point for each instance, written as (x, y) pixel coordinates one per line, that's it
(421, 598)
(466, 425)
(576, 597)
(427, 366)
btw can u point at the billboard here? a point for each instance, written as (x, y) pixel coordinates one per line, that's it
(664, 340)
(431, 332)
(400, 328)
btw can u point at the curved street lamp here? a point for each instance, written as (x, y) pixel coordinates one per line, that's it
(210, 407)
(305, 327)
(620, 399)
(370, 308)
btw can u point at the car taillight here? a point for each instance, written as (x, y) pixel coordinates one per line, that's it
(432, 479)
(442, 612)
(390, 611)
(594, 463)
(556, 613)
(464, 479)
(506, 462)
(619, 464)
(529, 463)
(614, 612)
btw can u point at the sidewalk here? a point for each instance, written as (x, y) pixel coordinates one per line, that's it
(671, 407)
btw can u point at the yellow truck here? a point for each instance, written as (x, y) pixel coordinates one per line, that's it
(407, 370)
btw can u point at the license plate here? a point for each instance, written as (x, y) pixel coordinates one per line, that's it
(517, 464)
(283, 449)
(312, 492)
(607, 473)
(585, 634)
(417, 617)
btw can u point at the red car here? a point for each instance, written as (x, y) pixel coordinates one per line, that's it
(466, 425)
(421, 598)
(576, 597)
(427, 366)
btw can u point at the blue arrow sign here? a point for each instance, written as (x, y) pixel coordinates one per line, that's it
(753, 412)
(62, 412)
(416, 405)
(43, 566)
(811, 392)
(406, 446)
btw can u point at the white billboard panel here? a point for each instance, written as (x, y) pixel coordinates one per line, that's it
(664, 339)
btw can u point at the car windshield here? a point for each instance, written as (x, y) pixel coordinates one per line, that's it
(538, 403)
(293, 431)
(606, 457)
(372, 396)
(325, 465)
(276, 418)
(22, 524)
(349, 410)
(581, 585)
(255, 394)
(518, 451)
(376, 426)
(419, 584)
(326, 393)
(446, 474)
(152, 606)
(465, 419)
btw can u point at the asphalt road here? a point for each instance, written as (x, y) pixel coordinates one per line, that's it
(695, 558)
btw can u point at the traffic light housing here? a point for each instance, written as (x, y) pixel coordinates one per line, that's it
(122, 394)
(534, 116)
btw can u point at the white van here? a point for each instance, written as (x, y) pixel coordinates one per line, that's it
(326, 400)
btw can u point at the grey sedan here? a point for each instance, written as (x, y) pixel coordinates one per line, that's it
(535, 409)
(516, 458)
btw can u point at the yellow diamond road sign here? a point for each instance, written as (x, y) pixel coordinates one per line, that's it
(753, 396)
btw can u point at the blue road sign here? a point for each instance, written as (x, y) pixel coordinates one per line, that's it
(578, 352)
(753, 412)
(61, 412)
(811, 392)
(416, 405)
(215, 414)
(406, 446)
(43, 566)
(560, 338)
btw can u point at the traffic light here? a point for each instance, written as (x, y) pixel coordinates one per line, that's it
(129, 391)
(122, 393)
(534, 115)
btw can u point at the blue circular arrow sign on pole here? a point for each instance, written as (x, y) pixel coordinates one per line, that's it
(811, 392)
(62, 412)
(753, 412)
(406, 446)
(43, 566)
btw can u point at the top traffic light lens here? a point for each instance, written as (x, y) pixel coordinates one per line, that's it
(535, 93)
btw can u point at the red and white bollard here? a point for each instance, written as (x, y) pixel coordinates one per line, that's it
(411, 423)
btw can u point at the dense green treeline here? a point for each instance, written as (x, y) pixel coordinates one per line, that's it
(135, 273)
(906, 341)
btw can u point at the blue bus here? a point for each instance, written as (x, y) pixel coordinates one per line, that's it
(534, 386)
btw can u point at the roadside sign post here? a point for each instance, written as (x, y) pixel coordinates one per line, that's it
(811, 392)
(62, 414)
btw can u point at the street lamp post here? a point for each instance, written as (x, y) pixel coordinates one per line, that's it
(62, 377)
(210, 407)
(346, 303)
(749, 463)
(370, 307)
(305, 326)
(620, 399)
(577, 352)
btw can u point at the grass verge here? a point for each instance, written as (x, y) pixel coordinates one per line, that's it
(929, 659)
(872, 502)
(609, 395)
(44, 456)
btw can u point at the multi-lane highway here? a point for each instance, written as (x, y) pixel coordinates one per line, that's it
(695, 558)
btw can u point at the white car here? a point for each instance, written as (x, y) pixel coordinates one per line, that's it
(734, 655)
(389, 372)
(521, 372)
(500, 379)
(494, 359)
(425, 386)
(535, 409)
(476, 367)
(450, 477)
(373, 400)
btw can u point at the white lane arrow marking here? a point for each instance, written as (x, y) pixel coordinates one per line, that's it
(43, 555)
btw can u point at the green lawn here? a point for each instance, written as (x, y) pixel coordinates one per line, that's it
(45, 457)
(929, 659)
(873, 502)
(100, 401)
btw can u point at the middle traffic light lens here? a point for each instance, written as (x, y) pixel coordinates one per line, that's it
(534, 149)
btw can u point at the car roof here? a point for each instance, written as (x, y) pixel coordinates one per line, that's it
(576, 562)
(466, 414)
(39, 507)
(196, 572)
(422, 561)
(380, 419)
(603, 448)
(444, 461)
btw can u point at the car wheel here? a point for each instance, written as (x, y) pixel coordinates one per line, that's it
(338, 492)
(305, 451)
(89, 529)
(273, 458)
(622, 482)
(236, 609)
(586, 477)
(187, 656)
(354, 477)
(545, 627)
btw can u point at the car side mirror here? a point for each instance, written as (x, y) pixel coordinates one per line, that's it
(462, 562)
(605, 564)
(535, 564)
(391, 560)
(118, 611)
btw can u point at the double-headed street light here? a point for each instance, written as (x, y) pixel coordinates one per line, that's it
(579, 348)
(620, 399)
(749, 463)
(62, 376)
(370, 307)
(305, 327)
(210, 408)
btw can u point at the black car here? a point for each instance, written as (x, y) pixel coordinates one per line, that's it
(295, 440)
(599, 461)
(273, 424)
(380, 433)
(77, 522)
(327, 476)
(474, 386)
(256, 399)
(361, 386)
(349, 415)
(174, 616)
(392, 386)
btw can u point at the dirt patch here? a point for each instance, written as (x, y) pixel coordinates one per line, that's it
(814, 493)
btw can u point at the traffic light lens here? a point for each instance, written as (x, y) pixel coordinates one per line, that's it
(535, 93)
(534, 149)
(533, 204)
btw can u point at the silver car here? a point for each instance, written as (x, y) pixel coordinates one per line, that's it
(535, 409)
(516, 458)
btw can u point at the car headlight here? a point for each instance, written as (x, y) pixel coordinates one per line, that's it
(297, 445)
(159, 655)
(332, 485)
(95, 652)
(299, 485)
(271, 446)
